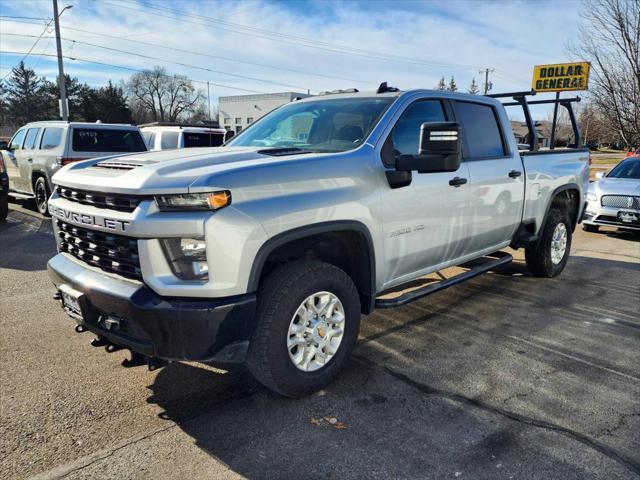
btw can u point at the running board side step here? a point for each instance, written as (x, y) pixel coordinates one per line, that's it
(21, 196)
(499, 258)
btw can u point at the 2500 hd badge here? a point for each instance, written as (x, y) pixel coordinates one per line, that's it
(85, 219)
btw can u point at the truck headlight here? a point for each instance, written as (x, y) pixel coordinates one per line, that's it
(194, 201)
(187, 257)
(592, 197)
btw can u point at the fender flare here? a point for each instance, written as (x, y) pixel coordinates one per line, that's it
(310, 230)
(554, 194)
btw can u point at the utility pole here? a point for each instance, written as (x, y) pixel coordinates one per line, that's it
(64, 110)
(209, 100)
(487, 84)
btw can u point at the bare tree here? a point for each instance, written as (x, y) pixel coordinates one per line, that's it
(610, 40)
(162, 97)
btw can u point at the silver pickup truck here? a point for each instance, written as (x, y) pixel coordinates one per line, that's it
(268, 250)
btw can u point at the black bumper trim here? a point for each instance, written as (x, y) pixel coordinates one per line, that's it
(169, 328)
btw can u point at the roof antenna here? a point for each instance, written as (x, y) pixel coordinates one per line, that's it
(383, 88)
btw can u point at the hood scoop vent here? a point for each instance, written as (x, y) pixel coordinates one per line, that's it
(120, 164)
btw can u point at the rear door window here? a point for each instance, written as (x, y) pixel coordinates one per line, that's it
(169, 140)
(203, 139)
(30, 139)
(480, 129)
(18, 138)
(107, 140)
(51, 138)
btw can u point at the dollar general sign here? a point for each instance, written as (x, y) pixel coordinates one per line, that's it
(561, 76)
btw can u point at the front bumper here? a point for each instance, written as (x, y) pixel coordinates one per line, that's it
(202, 330)
(596, 214)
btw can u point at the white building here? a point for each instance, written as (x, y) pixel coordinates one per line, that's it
(239, 111)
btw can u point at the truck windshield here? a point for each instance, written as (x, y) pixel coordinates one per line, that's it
(626, 169)
(319, 126)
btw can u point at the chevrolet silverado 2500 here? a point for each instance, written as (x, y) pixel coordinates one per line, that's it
(268, 250)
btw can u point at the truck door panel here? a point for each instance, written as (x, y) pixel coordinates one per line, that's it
(11, 162)
(496, 188)
(424, 223)
(26, 158)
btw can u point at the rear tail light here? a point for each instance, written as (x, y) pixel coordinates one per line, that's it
(62, 161)
(2, 169)
(590, 159)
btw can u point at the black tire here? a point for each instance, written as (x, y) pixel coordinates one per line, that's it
(4, 208)
(538, 256)
(590, 228)
(42, 194)
(279, 297)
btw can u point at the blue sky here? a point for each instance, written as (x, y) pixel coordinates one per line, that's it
(267, 46)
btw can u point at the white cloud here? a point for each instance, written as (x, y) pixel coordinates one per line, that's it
(508, 36)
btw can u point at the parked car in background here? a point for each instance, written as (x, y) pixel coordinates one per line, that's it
(4, 190)
(37, 150)
(633, 152)
(614, 199)
(167, 136)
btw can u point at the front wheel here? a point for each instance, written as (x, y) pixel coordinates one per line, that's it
(42, 193)
(308, 318)
(548, 257)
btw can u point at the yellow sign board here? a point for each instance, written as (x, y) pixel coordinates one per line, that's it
(560, 77)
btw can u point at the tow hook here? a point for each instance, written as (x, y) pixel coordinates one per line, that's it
(80, 329)
(112, 347)
(137, 360)
(99, 342)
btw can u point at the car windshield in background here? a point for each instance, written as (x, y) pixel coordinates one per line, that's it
(203, 139)
(107, 140)
(319, 126)
(627, 169)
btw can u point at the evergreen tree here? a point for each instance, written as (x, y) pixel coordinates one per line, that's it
(452, 85)
(473, 88)
(441, 84)
(111, 105)
(25, 96)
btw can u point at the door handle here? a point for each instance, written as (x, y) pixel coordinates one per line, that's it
(515, 173)
(30, 160)
(457, 181)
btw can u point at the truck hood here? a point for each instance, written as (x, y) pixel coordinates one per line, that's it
(616, 186)
(168, 171)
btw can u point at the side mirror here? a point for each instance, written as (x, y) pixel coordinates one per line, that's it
(439, 149)
(229, 135)
(599, 175)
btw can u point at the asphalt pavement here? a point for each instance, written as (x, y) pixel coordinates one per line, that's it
(505, 376)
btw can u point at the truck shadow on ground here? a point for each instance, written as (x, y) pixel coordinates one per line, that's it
(20, 230)
(470, 381)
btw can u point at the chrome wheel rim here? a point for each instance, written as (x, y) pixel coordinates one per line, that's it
(316, 331)
(558, 243)
(41, 196)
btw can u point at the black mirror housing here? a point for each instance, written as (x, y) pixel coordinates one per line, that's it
(439, 149)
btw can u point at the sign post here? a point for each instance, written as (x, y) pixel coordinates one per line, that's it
(560, 77)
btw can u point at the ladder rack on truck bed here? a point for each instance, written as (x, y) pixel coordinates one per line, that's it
(520, 98)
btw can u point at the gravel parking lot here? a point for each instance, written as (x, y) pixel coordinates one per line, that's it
(506, 376)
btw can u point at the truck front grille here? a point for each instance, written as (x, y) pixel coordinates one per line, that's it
(621, 201)
(112, 253)
(122, 203)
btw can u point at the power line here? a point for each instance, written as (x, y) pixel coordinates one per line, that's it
(284, 38)
(77, 59)
(32, 46)
(218, 57)
(141, 55)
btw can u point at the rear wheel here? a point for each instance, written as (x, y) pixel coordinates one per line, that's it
(42, 193)
(590, 228)
(307, 323)
(548, 257)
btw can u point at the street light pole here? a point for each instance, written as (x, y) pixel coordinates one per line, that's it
(64, 110)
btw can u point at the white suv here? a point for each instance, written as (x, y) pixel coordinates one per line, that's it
(167, 136)
(37, 150)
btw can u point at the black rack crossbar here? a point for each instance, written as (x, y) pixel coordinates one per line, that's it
(520, 99)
